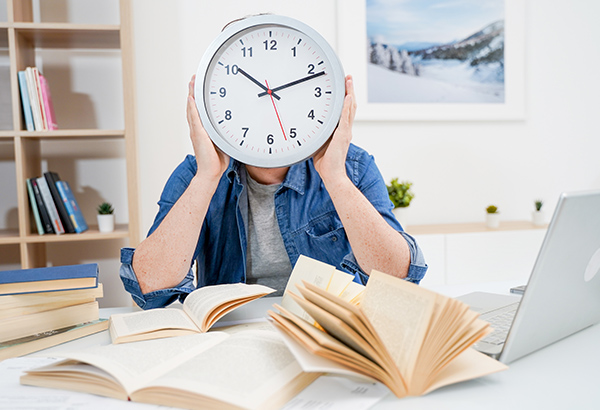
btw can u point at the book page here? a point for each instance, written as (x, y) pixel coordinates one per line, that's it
(338, 282)
(400, 313)
(263, 367)
(207, 304)
(143, 323)
(311, 271)
(133, 365)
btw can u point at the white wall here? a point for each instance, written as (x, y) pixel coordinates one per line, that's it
(458, 168)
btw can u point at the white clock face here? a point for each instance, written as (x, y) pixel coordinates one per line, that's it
(270, 91)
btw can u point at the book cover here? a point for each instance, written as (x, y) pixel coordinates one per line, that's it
(47, 103)
(71, 206)
(44, 216)
(38, 89)
(50, 206)
(51, 178)
(27, 114)
(51, 278)
(33, 99)
(34, 208)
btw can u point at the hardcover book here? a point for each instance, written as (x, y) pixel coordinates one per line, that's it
(44, 216)
(51, 179)
(71, 206)
(52, 278)
(26, 104)
(47, 103)
(50, 206)
(34, 208)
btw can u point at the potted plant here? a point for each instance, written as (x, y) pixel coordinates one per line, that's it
(401, 195)
(492, 217)
(537, 215)
(106, 217)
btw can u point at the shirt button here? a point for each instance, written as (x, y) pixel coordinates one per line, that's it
(334, 238)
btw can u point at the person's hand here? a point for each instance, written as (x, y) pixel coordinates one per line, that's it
(330, 160)
(212, 162)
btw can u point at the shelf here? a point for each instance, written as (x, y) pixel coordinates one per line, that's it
(92, 234)
(66, 35)
(9, 236)
(470, 227)
(63, 134)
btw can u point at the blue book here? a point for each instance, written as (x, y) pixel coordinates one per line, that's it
(71, 206)
(52, 278)
(27, 113)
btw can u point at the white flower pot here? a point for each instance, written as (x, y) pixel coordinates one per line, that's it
(106, 223)
(401, 214)
(492, 220)
(538, 218)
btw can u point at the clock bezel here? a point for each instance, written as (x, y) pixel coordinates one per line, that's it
(337, 77)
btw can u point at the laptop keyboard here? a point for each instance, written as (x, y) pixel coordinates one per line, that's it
(500, 320)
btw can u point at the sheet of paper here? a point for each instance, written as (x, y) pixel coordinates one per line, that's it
(15, 396)
(334, 392)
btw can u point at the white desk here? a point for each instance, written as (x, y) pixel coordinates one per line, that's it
(565, 375)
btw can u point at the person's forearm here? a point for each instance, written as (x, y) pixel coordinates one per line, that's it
(375, 244)
(164, 258)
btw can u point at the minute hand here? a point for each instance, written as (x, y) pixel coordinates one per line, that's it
(301, 80)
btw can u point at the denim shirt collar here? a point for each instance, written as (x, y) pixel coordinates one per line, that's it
(295, 178)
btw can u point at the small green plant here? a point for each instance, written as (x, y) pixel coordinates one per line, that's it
(538, 204)
(400, 193)
(105, 208)
(492, 209)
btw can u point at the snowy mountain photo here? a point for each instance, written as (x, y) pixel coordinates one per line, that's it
(429, 51)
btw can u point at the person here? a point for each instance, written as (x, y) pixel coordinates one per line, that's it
(240, 223)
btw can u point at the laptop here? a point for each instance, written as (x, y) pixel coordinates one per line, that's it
(562, 295)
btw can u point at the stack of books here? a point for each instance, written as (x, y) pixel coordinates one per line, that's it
(43, 307)
(38, 109)
(54, 207)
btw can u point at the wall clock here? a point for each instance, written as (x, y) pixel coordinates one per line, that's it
(269, 91)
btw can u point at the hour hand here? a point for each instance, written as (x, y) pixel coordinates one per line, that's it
(255, 81)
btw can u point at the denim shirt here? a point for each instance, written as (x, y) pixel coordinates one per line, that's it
(307, 219)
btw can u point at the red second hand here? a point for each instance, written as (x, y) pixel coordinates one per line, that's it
(274, 106)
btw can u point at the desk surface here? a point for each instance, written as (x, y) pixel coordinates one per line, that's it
(563, 375)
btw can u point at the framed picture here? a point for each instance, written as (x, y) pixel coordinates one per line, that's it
(435, 59)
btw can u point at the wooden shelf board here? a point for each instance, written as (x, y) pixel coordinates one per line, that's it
(66, 35)
(9, 236)
(59, 134)
(92, 234)
(470, 227)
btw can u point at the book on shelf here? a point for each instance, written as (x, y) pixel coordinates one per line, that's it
(250, 368)
(201, 309)
(36, 100)
(51, 179)
(50, 206)
(41, 207)
(50, 116)
(409, 338)
(71, 206)
(52, 278)
(34, 208)
(44, 340)
(25, 102)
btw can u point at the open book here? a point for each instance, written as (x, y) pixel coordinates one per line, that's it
(251, 368)
(201, 309)
(411, 339)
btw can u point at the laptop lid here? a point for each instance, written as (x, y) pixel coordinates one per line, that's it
(563, 293)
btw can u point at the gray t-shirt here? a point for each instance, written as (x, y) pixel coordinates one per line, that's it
(267, 262)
